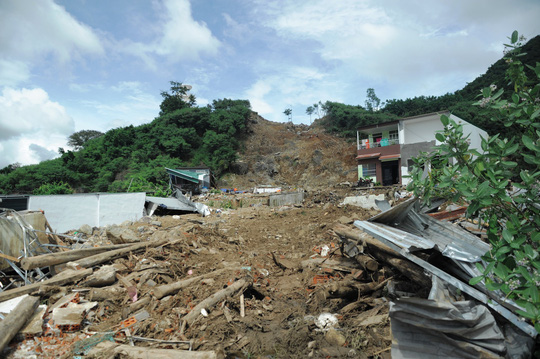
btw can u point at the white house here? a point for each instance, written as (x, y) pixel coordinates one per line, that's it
(385, 150)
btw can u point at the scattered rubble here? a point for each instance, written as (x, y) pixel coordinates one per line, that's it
(248, 280)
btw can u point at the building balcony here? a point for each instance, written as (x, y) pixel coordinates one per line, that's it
(382, 143)
(378, 151)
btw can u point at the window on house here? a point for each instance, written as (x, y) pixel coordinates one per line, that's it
(369, 170)
(393, 137)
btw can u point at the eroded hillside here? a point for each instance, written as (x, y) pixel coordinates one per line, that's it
(285, 154)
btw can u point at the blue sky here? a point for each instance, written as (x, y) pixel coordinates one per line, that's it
(70, 65)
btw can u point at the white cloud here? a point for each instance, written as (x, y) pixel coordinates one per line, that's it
(180, 37)
(412, 46)
(13, 72)
(256, 95)
(34, 28)
(28, 118)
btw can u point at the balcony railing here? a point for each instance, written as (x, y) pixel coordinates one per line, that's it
(382, 143)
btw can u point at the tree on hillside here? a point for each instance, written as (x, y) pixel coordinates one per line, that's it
(79, 139)
(288, 113)
(501, 185)
(176, 98)
(10, 168)
(373, 103)
(309, 111)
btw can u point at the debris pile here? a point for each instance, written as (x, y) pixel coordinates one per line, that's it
(291, 281)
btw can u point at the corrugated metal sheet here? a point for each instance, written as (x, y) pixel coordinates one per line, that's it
(186, 175)
(170, 203)
(404, 229)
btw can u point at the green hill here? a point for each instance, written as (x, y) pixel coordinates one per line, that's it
(134, 157)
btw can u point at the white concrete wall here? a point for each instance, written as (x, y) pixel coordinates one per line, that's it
(475, 133)
(70, 211)
(424, 129)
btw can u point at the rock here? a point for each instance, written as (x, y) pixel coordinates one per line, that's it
(86, 229)
(333, 337)
(146, 219)
(367, 202)
(317, 157)
(345, 220)
(156, 223)
(119, 235)
(239, 168)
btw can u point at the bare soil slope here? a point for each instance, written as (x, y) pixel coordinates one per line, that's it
(291, 155)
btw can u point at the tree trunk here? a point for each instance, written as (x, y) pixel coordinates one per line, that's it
(114, 350)
(358, 236)
(166, 289)
(367, 262)
(52, 259)
(386, 254)
(238, 286)
(117, 253)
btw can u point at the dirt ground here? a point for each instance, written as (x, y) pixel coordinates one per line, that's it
(304, 298)
(296, 306)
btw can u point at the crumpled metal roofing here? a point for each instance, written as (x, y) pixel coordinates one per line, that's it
(407, 231)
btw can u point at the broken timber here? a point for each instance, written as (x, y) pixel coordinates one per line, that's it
(238, 286)
(386, 254)
(16, 319)
(67, 276)
(51, 259)
(107, 256)
(114, 350)
(166, 289)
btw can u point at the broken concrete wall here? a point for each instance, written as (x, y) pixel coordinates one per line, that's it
(284, 199)
(11, 234)
(71, 211)
(367, 202)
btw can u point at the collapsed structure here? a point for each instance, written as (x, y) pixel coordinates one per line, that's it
(288, 269)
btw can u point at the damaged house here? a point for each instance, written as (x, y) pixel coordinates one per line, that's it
(189, 179)
(385, 151)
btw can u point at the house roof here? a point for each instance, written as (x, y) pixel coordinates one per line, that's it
(368, 156)
(390, 157)
(186, 175)
(382, 124)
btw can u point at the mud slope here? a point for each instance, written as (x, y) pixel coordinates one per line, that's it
(291, 155)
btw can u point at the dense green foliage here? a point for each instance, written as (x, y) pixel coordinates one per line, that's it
(501, 185)
(344, 119)
(183, 135)
(53, 188)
